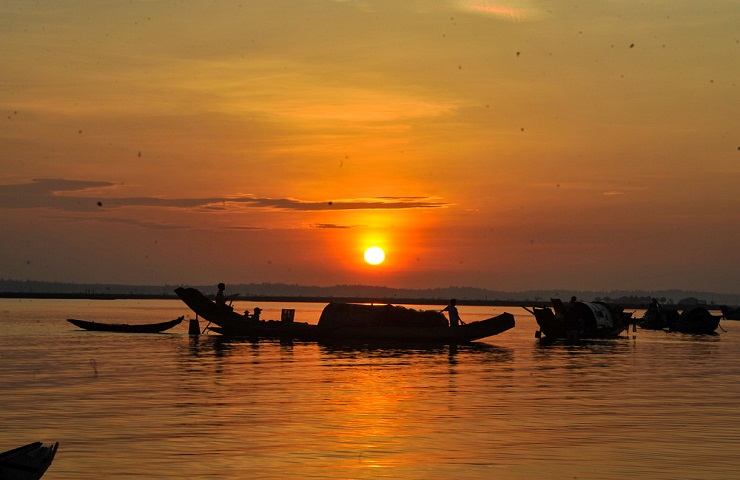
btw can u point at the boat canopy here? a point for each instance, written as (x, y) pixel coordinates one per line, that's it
(336, 315)
(602, 314)
(588, 314)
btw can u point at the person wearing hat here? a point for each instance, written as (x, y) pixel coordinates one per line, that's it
(256, 314)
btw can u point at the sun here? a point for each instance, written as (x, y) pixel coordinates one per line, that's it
(374, 255)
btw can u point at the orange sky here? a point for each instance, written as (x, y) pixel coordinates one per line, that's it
(511, 144)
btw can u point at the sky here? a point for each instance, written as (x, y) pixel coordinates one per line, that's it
(501, 144)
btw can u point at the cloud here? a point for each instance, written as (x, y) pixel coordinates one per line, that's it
(44, 193)
(330, 226)
(515, 10)
(245, 227)
(58, 194)
(379, 203)
(124, 221)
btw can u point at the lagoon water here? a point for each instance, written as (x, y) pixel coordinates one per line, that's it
(164, 406)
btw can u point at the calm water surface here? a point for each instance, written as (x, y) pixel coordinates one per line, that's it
(649, 404)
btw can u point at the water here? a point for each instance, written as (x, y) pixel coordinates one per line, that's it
(164, 406)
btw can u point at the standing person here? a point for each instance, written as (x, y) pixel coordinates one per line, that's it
(572, 320)
(220, 298)
(451, 310)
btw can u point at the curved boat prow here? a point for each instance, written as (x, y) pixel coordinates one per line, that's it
(28, 462)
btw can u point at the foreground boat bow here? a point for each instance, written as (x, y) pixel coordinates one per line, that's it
(28, 462)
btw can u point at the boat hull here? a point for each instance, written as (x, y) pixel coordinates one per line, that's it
(126, 328)
(268, 329)
(466, 333)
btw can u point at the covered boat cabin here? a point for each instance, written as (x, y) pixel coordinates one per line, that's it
(341, 315)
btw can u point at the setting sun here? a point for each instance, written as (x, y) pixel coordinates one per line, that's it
(374, 255)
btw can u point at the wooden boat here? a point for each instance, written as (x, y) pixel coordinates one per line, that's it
(580, 320)
(730, 313)
(125, 327)
(656, 317)
(346, 322)
(695, 320)
(692, 320)
(28, 462)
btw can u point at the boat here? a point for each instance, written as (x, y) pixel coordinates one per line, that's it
(580, 320)
(656, 316)
(348, 322)
(28, 462)
(730, 313)
(695, 320)
(691, 320)
(126, 327)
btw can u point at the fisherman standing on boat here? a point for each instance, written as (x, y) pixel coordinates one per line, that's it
(572, 321)
(220, 298)
(451, 310)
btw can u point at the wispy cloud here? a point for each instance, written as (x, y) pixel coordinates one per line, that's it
(330, 226)
(59, 194)
(121, 221)
(516, 10)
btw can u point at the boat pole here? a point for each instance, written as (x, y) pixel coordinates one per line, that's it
(206, 327)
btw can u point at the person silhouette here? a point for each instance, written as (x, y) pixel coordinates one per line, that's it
(452, 312)
(220, 298)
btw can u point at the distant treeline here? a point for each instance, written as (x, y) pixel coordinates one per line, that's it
(363, 293)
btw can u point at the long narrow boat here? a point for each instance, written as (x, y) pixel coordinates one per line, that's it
(346, 322)
(580, 320)
(126, 327)
(28, 462)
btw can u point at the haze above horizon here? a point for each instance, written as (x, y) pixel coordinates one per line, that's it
(502, 144)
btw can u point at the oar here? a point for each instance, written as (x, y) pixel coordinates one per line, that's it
(204, 328)
(528, 310)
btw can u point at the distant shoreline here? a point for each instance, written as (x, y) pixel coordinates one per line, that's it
(281, 292)
(264, 298)
(317, 299)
